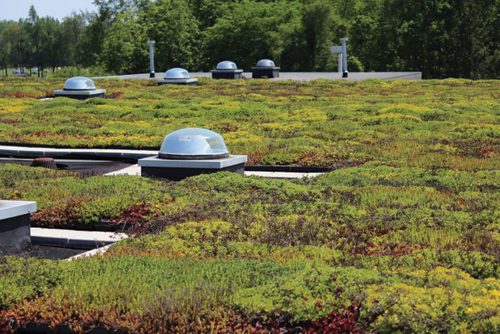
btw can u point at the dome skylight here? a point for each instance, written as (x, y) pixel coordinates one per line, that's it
(193, 143)
(265, 69)
(176, 73)
(265, 63)
(226, 65)
(79, 83)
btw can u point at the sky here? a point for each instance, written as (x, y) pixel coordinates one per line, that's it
(16, 9)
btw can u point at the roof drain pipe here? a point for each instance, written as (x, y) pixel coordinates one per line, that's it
(151, 45)
(345, 72)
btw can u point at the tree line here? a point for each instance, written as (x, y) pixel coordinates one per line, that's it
(441, 38)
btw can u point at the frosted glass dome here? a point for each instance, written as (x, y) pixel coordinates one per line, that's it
(265, 63)
(193, 143)
(177, 73)
(226, 65)
(79, 83)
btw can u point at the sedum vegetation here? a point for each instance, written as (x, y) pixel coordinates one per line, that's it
(365, 248)
(427, 124)
(404, 238)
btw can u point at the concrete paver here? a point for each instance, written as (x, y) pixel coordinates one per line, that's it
(136, 170)
(130, 170)
(281, 175)
(92, 252)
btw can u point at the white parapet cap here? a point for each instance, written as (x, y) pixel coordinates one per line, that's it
(11, 209)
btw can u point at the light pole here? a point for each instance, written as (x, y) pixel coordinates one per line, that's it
(151, 45)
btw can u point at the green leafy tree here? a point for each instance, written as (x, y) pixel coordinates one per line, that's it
(359, 20)
(52, 48)
(442, 38)
(73, 29)
(98, 25)
(250, 31)
(175, 29)
(474, 49)
(22, 50)
(207, 12)
(124, 47)
(8, 31)
(33, 28)
(317, 25)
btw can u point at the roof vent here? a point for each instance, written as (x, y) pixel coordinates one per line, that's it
(193, 144)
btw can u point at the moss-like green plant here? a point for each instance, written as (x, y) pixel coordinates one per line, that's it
(429, 124)
(406, 238)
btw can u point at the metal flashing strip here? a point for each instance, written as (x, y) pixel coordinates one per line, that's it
(31, 152)
(76, 92)
(298, 76)
(208, 163)
(74, 238)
